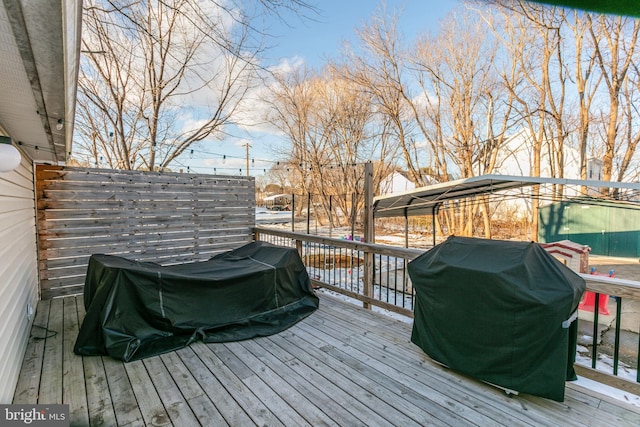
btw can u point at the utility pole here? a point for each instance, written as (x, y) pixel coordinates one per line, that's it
(246, 146)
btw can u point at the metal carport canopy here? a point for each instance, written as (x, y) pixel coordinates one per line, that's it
(426, 200)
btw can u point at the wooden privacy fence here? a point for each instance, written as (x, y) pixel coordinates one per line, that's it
(147, 216)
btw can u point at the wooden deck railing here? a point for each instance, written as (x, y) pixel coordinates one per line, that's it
(619, 290)
(377, 275)
(374, 274)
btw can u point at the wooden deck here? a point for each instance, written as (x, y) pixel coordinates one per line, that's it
(343, 365)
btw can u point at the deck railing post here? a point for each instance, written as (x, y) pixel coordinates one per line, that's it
(369, 231)
(368, 277)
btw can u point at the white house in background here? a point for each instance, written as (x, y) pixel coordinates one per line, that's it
(516, 159)
(396, 182)
(40, 45)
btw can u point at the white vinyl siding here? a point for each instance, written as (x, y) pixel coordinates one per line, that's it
(18, 272)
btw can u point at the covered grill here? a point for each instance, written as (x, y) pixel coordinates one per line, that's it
(499, 311)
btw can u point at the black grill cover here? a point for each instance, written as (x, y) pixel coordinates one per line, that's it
(498, 311)
(140, 309)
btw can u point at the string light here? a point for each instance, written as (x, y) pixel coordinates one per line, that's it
(277, 164)
(35, 147)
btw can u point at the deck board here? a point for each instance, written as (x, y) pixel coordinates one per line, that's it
(357, 358)
(99, 403)
(50, 390)
(124, 400)
(444, 387)
(172, 399)
(342, 365)
(232, 384)
(31, 372)
(283, 383)
(396, 398)
(230, 410)
(73, 380)
(331, 411)
(149, 403)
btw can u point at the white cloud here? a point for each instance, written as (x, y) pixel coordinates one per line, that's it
(252, 114)
(288, 65)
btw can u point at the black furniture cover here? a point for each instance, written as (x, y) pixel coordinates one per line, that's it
(140, 309)
(499, 311)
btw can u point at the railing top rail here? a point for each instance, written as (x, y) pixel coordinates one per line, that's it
(613, 286)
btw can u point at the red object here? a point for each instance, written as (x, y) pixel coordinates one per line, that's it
(589, 302)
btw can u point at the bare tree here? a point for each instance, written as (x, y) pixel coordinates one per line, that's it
(379, 68)
(458, 71)
(109, 105)
(292, 99)
(532, 35)
(626, 150)
(615, 44)
(162, 74)
(587, 82)
(331, 125)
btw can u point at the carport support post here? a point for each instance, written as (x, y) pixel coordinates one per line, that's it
(433, 226)
(436, 208)
(293, 212)
(330, 216)
(369, 232)
(308, 211)
(406, 229)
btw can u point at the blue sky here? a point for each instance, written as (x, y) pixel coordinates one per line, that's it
(322, 35)
(312, 41)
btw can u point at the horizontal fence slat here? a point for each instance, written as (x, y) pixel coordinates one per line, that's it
(64, 271)
(62, 282)
(109, 176)
(232, 201)
(132, 217)
(168, 256)
(58, 238)
(135, 248)
(125, 185)
(166, 218)
(61, 291)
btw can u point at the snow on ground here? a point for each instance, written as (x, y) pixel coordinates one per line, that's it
(265, 216)
(608, 391)
(391, 314)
